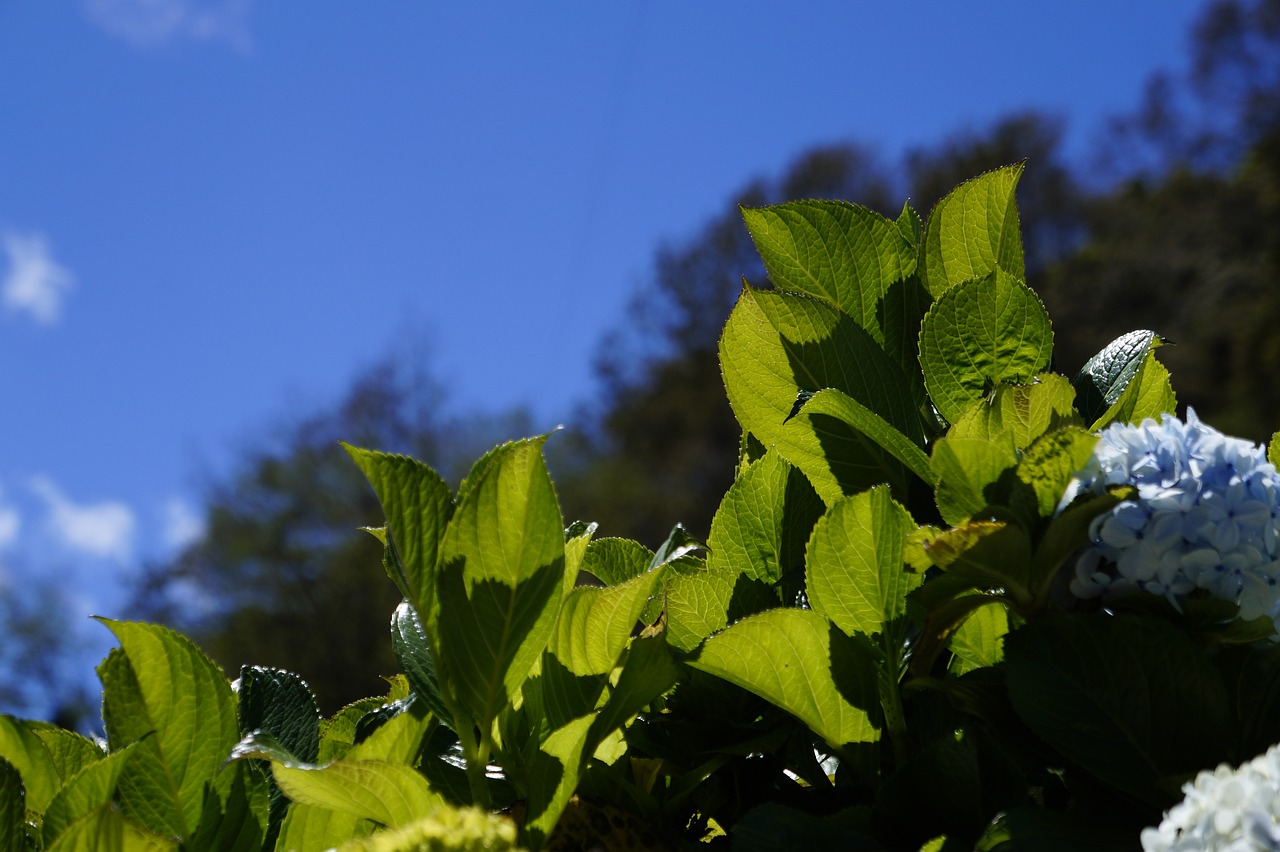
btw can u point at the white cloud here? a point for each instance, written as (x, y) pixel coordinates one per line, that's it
(150, 23)
(10, 523)
(35, 282)
(182, 525)
(98, 529)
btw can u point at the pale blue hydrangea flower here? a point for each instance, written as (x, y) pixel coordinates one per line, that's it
(1206, 516)
(1224, 809)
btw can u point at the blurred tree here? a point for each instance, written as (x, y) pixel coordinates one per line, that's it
(282, 577)
(39, 652)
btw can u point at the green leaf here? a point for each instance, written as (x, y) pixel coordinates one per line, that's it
(24, 750)
(280, 703)
(416, 502)
(764, 521)
(1020, 413)
(1273, 450)
(1049, 464)
(337, 733)
(702, 599)
(834, 250)
(502, 579)
(595, 624)
(969, 473)
(1105, 376)
(105, 829)
(980, 334)
(858, 448)
(391, 794)
(616, 560)
(802, 663)
(909, 225)
(90, 788)
(1131, 700)
(973, 231)
(161, 691)
(413, 652)
(1065, 535)
(979, 641)
(1149, 394)
(679, 543)
(236, 816)
(554, 774)
(854, 567)
(576, 541)
(13, 807)
(986, 555)
(309, 827)
(777, 345)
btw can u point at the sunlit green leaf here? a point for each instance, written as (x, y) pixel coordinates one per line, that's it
(1020, 413)
(979, 641)
(616, 560)
(840, 252)
(858, 448)
(1048, 465)
(799, 661)
(764, 521)
(310, 827)
(778, 345)
(23, 750)
(416, 502)
(90, 788)
(969, 473)
(162, 692)
(1105, 376)
(979, 334)
(595, 624)
(974, 230)
(854, 567)
(502, 579)
(391, 794)
(105, 829)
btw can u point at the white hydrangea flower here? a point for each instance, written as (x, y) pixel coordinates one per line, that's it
(1224, 810)
(1206, 516)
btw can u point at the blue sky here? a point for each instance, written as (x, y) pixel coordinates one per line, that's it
(214, 213)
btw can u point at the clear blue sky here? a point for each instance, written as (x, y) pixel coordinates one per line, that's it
(213, 212)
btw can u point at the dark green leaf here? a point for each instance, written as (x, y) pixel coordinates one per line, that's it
(1131, 700)
(13, 807)
(1104, 377)
(413, 651)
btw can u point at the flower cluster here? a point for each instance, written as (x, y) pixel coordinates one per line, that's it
(1206, 516)
(1224, 809)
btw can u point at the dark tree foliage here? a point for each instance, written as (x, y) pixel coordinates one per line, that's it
(1196, 258)
(36, 653)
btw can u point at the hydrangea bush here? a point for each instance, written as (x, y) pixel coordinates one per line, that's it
(953, 600)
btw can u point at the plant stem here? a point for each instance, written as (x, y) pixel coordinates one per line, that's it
(477, 759)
